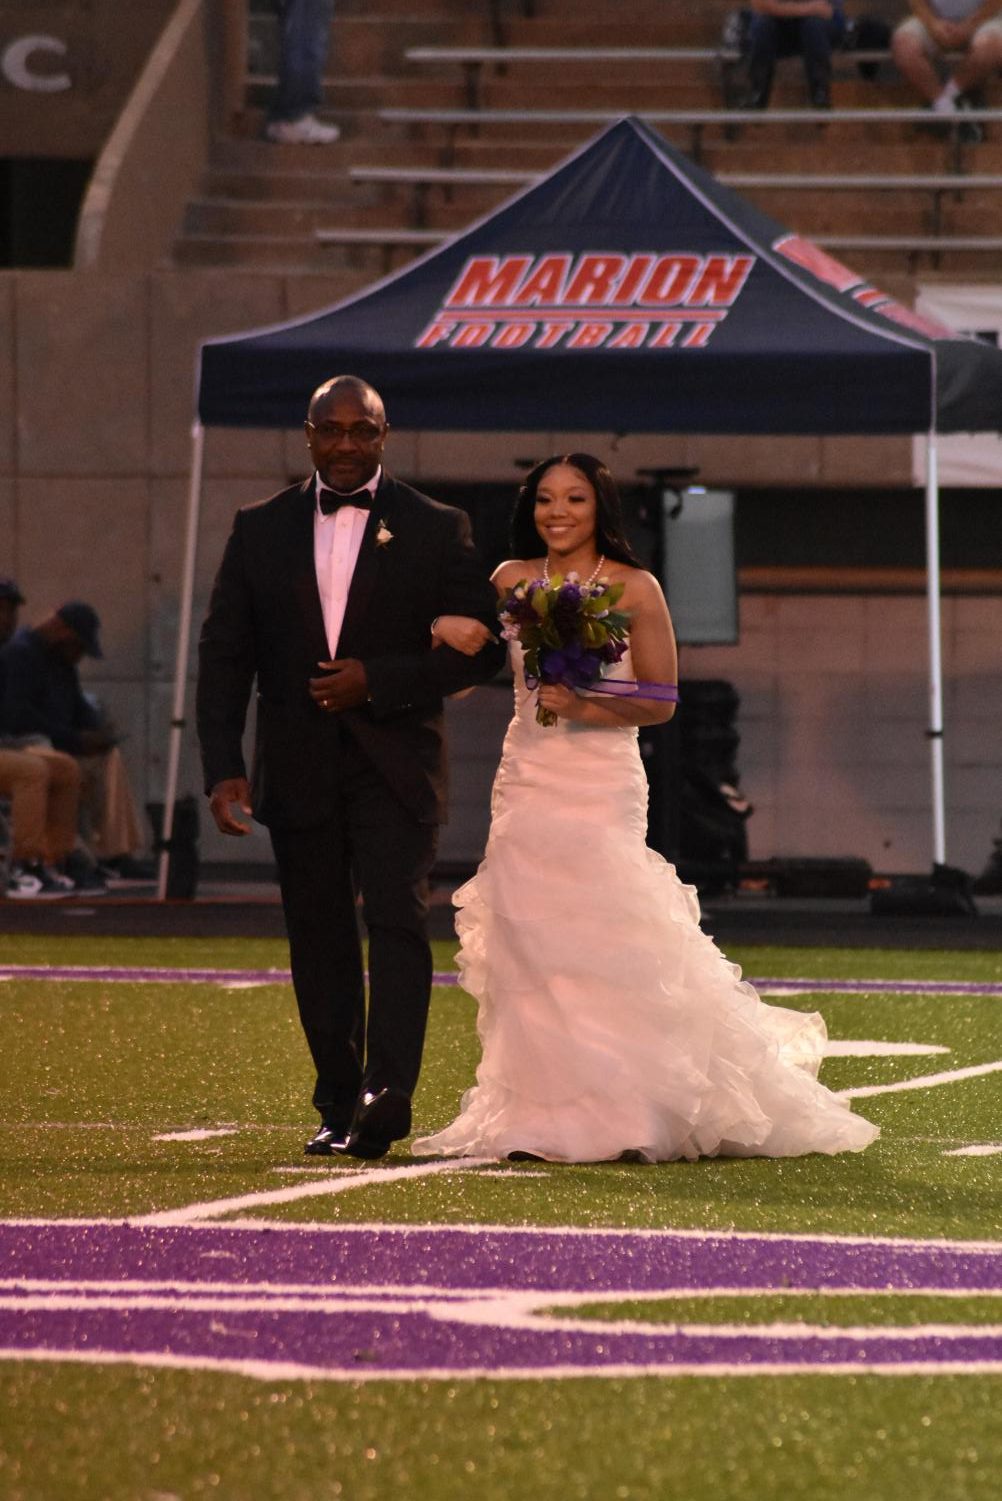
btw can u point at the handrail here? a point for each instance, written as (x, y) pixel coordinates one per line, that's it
(485, 176)
(597, 54)
(938, 184)
(473, 59)
(150, 161)
(918, 244)
(866, 116)
(877, 181)
(695, 121)
(559, 54)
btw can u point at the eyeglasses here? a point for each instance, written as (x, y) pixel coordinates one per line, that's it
(333, 432)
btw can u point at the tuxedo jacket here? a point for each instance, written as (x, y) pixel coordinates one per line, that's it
(265, 624)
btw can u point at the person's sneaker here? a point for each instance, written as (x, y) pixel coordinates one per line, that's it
(308, 131)
(20, 886)
(39, 882)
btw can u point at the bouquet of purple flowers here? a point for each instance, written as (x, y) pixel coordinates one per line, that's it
(568, 630)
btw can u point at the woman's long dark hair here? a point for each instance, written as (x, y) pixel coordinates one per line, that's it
(610, 535)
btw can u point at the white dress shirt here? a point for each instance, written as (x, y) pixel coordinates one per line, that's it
(337, 541)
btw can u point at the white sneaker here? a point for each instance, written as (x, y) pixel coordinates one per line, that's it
(309, 131)
(21, 886)
(47, 883)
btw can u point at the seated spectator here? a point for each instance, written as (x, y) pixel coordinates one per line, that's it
(42, 786)
(42, 697)
(937, 27)
(782, 28)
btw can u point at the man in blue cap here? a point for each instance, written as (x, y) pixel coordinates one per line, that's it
(42, 696)
(41, 686)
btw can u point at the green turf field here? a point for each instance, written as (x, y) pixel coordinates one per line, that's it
(96, 1070)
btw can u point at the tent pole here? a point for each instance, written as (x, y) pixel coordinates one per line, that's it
(935, 731)
(181, 661)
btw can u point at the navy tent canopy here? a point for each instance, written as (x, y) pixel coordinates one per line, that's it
(627, 291)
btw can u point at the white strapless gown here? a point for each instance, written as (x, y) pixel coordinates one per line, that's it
(609, 1021)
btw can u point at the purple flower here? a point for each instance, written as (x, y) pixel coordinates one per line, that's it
(572, 664)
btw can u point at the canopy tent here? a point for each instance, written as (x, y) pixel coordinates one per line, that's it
(626, 292)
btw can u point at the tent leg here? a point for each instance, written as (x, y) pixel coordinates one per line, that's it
(935, 731)
(181, 661)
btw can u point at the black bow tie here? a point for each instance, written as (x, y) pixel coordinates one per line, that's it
(331, 500)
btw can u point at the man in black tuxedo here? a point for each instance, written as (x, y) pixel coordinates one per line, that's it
(327, 594)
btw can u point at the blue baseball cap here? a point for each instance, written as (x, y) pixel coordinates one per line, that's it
(83, 621)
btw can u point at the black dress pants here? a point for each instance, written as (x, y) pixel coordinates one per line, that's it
(372, 845)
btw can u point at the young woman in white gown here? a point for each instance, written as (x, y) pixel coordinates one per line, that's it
(610, 1023)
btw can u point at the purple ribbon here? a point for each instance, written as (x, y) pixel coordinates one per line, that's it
(666, 693)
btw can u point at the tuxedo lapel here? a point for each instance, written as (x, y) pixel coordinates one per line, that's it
(367, 569)
(303, 571)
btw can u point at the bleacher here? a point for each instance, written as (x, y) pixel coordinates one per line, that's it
(443, 119)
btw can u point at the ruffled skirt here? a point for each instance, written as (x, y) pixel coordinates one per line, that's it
(609, 1022)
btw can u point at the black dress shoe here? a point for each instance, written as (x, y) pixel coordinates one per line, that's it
(381, 1118)
(330, 1135)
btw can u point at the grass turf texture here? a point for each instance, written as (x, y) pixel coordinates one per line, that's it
(96, 1070)
(839, 1309)
(180, 1435)
(93, 1070)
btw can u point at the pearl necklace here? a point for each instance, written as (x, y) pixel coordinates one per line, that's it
(588, 581)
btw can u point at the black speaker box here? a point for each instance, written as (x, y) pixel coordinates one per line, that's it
(834, 876)
(181, 847)
(946, 892)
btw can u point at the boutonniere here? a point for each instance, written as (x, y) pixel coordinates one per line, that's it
(383, 535)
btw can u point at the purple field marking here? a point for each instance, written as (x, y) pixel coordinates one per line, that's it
(134, 974)
(409, 1341)
(421, 1311)
(137, 974)
(486, 1259)
(547, 1260)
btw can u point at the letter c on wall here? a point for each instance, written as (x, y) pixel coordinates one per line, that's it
(15, 64)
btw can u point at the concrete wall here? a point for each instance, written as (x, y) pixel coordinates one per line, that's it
(65, 71)
(834, 709)
(96, 398)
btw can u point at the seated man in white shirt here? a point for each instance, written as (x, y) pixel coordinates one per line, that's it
(936, 28)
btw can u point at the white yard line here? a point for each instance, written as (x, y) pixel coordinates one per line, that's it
(922, 1081)
(212, 1209)
(387, 1227)
(837, 1047)
(269, 1292)
(263, 1370)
